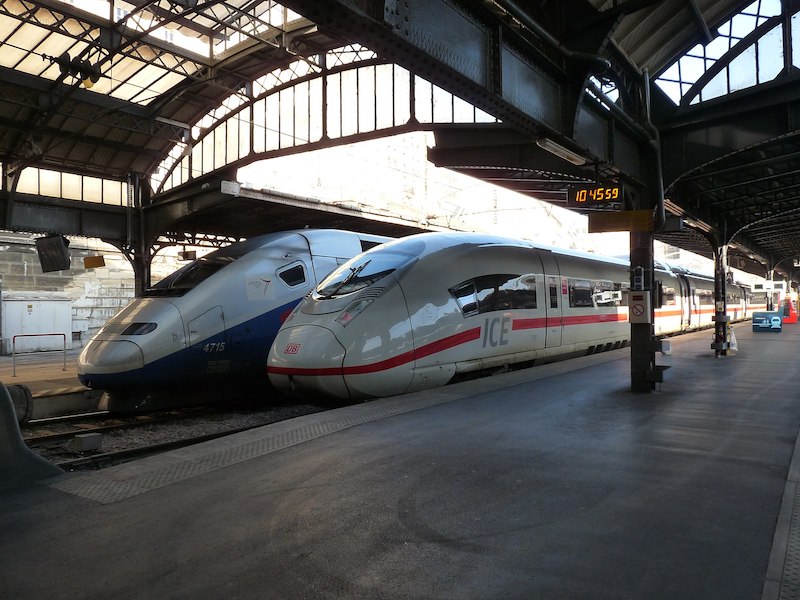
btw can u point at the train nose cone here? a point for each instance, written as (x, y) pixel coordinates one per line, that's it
(100, 360)
(307, 360)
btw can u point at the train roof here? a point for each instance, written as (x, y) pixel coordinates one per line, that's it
(258, 241)
(430, 242)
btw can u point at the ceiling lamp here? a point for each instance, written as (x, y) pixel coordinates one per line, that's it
(561, 151)
(82, 69)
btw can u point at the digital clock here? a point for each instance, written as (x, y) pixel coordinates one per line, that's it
(594, 196)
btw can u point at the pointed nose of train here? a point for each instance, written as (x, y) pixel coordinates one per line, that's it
(307, 360)
(103, 361)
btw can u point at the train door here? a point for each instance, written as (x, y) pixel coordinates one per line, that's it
(553, 300)
(686, 299)
(694, 308)
(207, 332)
(208, 344)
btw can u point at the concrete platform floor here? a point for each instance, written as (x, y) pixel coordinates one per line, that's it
(44, 373)
(554, 482)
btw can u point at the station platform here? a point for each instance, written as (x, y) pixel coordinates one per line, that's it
(44, 373)
(52, 379)
(551, 482)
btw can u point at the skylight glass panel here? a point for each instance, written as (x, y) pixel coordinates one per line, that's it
(15, 48)
(716, 88)
(743, 70)
(717, 48)
(168, 34)
(763, 62)
(770, 55)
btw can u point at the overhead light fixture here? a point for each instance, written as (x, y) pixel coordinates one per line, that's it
(88, 73)
(560, 151)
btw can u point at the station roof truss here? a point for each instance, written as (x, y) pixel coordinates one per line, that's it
(108, 88)
(111, 89)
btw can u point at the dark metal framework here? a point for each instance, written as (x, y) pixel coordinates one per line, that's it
(306, 110)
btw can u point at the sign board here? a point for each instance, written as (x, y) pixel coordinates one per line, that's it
(595, 196)
(767, 321)
(624, 220)
(639, 310)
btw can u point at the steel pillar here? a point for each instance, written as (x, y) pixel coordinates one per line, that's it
(721, 344)
(644, 374)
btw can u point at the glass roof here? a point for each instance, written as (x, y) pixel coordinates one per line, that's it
(134, 50)
(747, 50)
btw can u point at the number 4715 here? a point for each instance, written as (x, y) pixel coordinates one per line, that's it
(214, 347)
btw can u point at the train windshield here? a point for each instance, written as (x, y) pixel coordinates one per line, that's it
(361, 272)
(190, 276)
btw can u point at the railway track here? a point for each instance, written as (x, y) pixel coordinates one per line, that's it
(55, 429)
(130, 437)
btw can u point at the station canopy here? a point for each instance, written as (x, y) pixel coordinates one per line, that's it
(103, 89)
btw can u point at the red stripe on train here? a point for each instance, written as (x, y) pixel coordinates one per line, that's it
(447, 343)
(452, 341)
(542, 322)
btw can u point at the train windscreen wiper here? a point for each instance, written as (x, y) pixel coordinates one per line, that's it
(354, 272)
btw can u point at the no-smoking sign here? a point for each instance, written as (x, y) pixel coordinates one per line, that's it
(639, 311)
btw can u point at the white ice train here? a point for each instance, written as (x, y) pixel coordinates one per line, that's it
(213, 320)
(417, 312)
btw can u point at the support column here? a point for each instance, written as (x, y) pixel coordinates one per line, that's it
(643, 356)
(721, 343)
(141, 247)
(141, 272)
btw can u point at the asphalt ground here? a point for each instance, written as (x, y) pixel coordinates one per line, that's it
(553, 482)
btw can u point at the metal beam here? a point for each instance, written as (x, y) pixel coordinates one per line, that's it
(696, 138)
(41, 214)
(524, 76)
(700, 20)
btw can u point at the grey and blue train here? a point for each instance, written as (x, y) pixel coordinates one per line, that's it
(211, 321)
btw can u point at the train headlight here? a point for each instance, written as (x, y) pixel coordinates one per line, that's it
(353, 310)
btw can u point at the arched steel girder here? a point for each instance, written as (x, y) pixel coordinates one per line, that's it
(507, 64)
(744, 45)
(413, 104)
(732, 163)
(750, 190)
(314, 110)
(527, 64)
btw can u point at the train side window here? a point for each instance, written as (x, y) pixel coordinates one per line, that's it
(552, 287)
(293, 276)
(706, 297)
(505, 292)
(669, 296)
(368, 244)
(623, 288)
(606, 293)
(580, 293)
(496, 292)
(488, 294)
(467, 298)
(522, 291)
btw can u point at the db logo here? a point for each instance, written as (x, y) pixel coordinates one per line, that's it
(291, 349)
